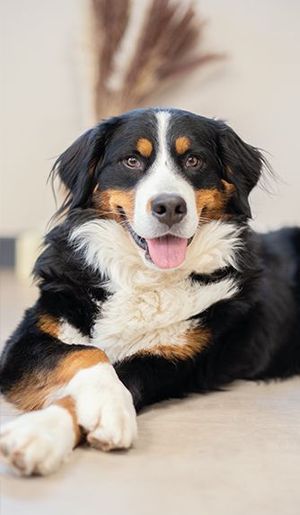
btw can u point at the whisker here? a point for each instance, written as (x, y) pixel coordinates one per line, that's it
(203, 219)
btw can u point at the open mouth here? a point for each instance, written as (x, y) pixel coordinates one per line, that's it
(165, 252)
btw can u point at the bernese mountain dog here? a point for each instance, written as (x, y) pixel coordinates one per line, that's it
(152, 285)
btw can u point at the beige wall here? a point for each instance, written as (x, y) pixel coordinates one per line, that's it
(41, 103)
(44, 101)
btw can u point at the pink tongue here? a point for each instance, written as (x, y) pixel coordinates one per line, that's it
(168, 251)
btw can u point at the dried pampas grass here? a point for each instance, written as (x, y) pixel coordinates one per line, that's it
(140, 48)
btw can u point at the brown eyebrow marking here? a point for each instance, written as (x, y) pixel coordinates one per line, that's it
(182, 144)
(145, 147)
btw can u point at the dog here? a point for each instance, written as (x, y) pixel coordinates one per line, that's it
(152, 286)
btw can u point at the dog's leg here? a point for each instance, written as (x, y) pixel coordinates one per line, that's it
(71, 391)
(153, 378)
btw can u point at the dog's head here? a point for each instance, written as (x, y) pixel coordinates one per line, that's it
(161, 174)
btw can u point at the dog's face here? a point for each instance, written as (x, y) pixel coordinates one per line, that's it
(161, 174)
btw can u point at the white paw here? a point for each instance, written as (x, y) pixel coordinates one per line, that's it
(39, 441)
(104, 407)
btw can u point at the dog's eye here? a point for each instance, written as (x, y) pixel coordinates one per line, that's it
(133, 162)
(193, 162)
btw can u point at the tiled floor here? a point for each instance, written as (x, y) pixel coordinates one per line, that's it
(232, 453)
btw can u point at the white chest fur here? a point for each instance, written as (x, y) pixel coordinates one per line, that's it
(139, 319)
(149, 307)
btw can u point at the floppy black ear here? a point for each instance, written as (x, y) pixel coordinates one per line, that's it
(242, 166)
(76, 167)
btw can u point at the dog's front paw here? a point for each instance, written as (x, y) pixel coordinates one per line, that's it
(116, 426)
(38, 442)
(104, 408)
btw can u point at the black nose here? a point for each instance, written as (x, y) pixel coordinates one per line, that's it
(169, 209)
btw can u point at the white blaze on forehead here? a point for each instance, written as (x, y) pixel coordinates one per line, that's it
(163, 118)
(162, 177)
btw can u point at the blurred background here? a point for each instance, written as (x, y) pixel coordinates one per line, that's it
(65, 64)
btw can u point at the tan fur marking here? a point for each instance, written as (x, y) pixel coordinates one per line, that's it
(75, 361)
(32, 392)
(182, 144)
(195, 341)
(211, 203)
(69, 404)
(107, 203)
(48, 324)
(144, 147)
